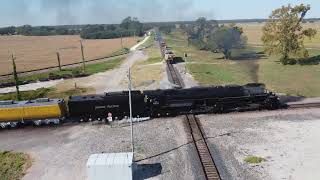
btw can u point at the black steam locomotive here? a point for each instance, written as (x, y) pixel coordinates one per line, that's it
(172, 102)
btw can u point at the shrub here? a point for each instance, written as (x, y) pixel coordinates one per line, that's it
(254, 159)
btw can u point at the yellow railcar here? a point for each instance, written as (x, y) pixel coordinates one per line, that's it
(11, 113)
(39, 111)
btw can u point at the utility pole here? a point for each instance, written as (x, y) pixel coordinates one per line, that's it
(130, 108)
(134, 35)
(59, 63)
(121, 40)
(185, 63)
(15, 76)
(83, 63)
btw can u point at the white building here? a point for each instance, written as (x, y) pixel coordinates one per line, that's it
(110, 166)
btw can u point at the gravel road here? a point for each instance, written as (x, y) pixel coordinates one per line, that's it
(61, 152)
(288, 140)
(106, 81)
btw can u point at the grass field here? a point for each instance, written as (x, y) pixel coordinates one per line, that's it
(34, 52)
(149, 71)
(45, 93)
(249, 65)
(254, 33)
(90, 69)
(13, 165)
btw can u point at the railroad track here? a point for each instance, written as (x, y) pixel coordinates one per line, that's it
(304, 105)
(174, 75)
(207, 163)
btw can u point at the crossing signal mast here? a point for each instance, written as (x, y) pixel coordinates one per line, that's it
(130, 108)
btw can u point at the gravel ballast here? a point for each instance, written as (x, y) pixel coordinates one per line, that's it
(287, 140)
(61, 152)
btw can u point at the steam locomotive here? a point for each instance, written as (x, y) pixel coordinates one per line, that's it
(150, 103)
(172, 102)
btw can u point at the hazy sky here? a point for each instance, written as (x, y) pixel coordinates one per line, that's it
(55, 12)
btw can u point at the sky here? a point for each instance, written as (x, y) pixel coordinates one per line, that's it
(62, 12)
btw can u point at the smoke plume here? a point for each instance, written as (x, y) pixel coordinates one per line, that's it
(59, 12)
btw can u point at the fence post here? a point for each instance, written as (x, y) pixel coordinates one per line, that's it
(15, 76)
(82, 54)
(58, 58)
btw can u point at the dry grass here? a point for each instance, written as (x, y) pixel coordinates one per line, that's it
(254, 33)
(34, 52)
(13, 165)
(145, 75)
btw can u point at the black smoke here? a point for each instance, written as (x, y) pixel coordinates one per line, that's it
(59, 12)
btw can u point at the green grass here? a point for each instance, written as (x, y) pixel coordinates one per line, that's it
(254, 159)
(65, 94)
(220, 74)
(90, 69)
(43, 93)
(27, 95)
(152, 60)
(101, 67)
(153, 56)
(13, 165)
(211, 69)
(121, 51)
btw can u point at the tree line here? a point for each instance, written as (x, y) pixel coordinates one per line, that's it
(128, 27)
(28, 30)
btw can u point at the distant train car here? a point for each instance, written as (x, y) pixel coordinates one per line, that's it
(113, 105)
(39, 111)
(169, 55)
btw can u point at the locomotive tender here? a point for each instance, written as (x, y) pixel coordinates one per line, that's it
(150, 103)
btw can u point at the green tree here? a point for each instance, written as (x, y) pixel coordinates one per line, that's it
(283, 33)
(199, 31)
(24, 30)
(225, 39)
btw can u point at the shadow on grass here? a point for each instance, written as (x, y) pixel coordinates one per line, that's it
(287, 98)
(177, 60)
(315, 60)
(249, 56)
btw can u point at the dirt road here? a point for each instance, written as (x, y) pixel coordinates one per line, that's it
(105, 81)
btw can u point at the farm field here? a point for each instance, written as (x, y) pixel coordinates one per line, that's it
(254, 33)
(249, 65)
(34, 52)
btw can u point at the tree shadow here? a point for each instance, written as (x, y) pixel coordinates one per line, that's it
(249, 56)
(287, 98)
(314, 60)
(146, 171)
(177, 60)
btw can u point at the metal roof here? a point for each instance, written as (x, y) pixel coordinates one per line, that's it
(110, 159)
